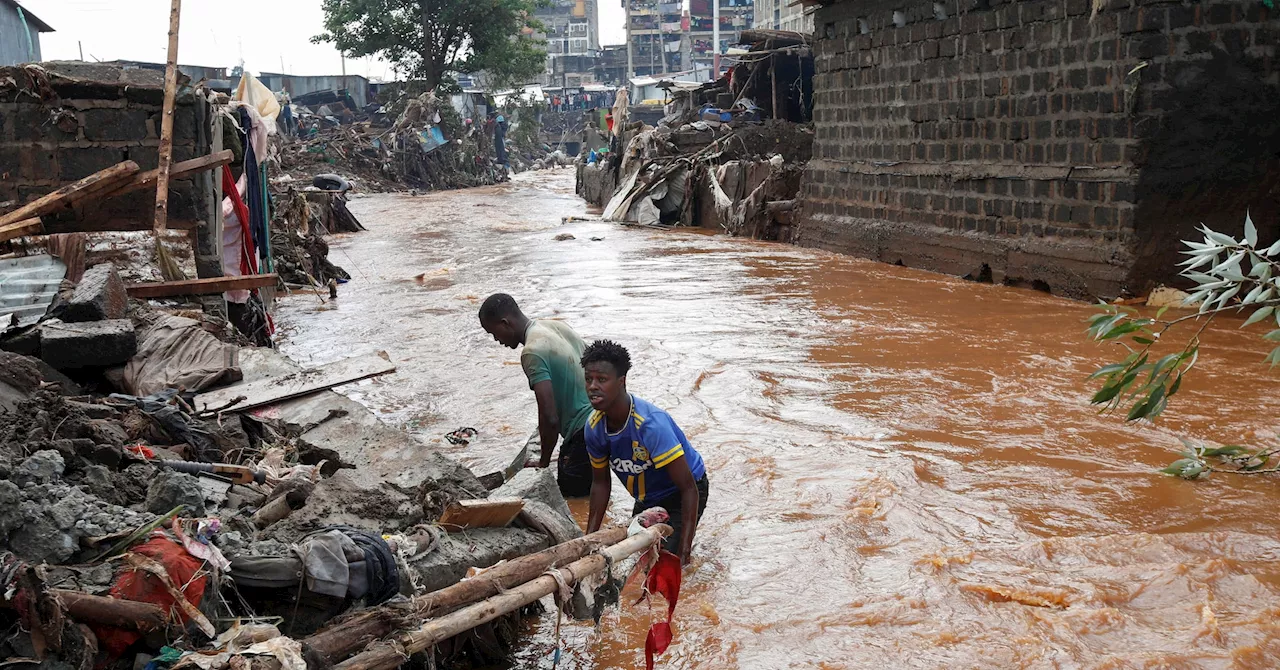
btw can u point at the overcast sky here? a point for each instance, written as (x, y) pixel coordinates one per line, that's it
(265, 33)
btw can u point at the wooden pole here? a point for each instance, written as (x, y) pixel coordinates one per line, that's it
(339, 641)
(166, 121)
(390, 656)
(103, 611)
(112, 612)
(94, 185)
(773, 82)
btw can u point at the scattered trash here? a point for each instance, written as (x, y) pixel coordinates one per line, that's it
(461, 436)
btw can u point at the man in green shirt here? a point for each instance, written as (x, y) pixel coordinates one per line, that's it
(552, 351)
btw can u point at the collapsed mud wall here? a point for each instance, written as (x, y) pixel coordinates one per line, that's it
(1032, 143)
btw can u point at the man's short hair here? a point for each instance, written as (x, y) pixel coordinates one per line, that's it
(498, 306)
(608, 351)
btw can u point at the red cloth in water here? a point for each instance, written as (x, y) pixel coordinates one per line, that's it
(140, 586)
(664, 578)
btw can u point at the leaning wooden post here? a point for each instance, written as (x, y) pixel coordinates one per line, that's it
(393, 654)
(166, 122)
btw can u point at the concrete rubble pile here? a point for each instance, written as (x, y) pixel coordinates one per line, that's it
(729, 155)
(118, 488)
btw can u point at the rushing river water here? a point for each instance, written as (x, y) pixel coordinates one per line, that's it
(905, 471)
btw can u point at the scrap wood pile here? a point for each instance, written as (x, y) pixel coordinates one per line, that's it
(427, 148)
(729, 155)
(161, 502)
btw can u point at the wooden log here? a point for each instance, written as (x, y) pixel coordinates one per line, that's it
(109, 223)
(166, 120)
(112, 612)
(95, 184)
(387, 657)
(272, 512)
(25, 228)
(486, 513)
(512, 573)
(342, 639)
(207, 286)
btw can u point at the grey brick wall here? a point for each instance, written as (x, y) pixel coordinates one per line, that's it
(84, 128)
(1036, 142)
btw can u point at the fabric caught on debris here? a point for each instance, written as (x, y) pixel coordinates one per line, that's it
(177, 352)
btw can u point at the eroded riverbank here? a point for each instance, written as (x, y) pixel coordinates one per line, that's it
(905, 471)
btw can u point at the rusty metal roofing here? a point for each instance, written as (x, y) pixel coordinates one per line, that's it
(28, 286)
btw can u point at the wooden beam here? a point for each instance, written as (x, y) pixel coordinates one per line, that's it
(95, 184)
(208, 286)
(21, 229)
(148, 179)
(489, 513)
(109, 224)
(434, 631)
(166, 120)
(242, 397)
(342, 639)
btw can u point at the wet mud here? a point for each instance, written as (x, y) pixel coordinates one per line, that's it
(905, 469)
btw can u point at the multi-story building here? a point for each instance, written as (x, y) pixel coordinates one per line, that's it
(735, 17)
(783, 15)
(664, 38)
(572, 32)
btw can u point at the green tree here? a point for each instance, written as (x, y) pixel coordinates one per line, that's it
(430, 39)
(1231, 276)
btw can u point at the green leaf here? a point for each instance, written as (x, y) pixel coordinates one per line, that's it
(1226, 450)
(1160, 312)
(1107, 370)
(1122, 329)
(1259, 315)
(1273, 336)
(1143, 340)
(1250, 230)
(1177, 467)
(1191, 472)
(1177, 384)
(1106, 393)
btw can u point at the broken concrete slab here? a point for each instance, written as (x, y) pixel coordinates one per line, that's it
(93, 344)
(19, 377)
(170, 489)
(99, 296)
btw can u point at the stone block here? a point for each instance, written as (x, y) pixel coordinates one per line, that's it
(115, 125)
(76, 163)
(99, 296)
(91, 344)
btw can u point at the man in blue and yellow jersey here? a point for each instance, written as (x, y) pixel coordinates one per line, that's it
(550, 361)
(643, 446)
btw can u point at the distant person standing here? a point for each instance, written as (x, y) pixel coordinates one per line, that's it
(286, 111)
(551, 355)
(500, 139)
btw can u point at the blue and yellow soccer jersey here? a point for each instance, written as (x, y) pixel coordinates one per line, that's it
(637, 454)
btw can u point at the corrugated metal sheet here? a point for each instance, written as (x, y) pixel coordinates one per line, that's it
(296, 85)
(19, 41)
(28, 286)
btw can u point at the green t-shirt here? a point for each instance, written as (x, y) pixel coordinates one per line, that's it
(552, 351)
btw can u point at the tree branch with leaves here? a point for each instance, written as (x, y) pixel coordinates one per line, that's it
(1144, 386)
(432, 39)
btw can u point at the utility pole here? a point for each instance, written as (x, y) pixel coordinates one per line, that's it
(715, 38)
(81, 44)
(631, 62)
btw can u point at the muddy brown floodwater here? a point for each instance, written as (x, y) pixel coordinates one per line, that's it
(905, 472)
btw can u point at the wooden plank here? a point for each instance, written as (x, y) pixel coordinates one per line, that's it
(166, 120)
(110, 224)
(207, 286)
(270, 391)
(21, 229)
(94, 184)
(144, 180)
(490, 513)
